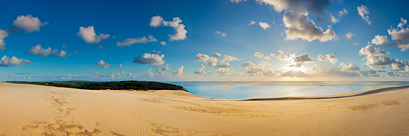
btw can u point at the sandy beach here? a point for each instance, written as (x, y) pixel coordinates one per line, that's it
(42, 110)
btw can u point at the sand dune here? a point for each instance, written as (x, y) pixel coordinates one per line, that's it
(43, 110)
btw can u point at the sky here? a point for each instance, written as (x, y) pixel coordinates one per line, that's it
(204, 40)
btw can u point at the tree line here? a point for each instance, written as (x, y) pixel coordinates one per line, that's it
(113, 85)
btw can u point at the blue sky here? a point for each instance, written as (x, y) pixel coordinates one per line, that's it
(132, 33)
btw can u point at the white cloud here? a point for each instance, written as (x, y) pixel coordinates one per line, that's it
(342, 12)
(28, 23)
(213, 61)
(400, 35)
(179, 71)
(364, 12)
(398, 65)
(252, 22)
(328, 57)
(102, 63)
(149, 74)
(310, 6)
(264, 25)
(258, 55)
(374, 57)
(316, 71)
(14, 61)
(216, 55)
(350, 67)
(300, 26)
(221, 33)
(201, 70)
(130, 41)
(160, 68)
(156, 21)
(153, 59)
(378, 40)
(179, 28)
(258, 69)
(163, 43)
(349, 35)
(89, 36)
(120, 65)
(3, 34)
(237, 1)
(38, 50)
(303, 58)
(267, 57)
(283, 57)
(402, 22)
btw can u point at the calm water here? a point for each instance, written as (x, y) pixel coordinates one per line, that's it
(254, 89)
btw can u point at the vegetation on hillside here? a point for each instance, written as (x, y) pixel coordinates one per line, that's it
(113, 85)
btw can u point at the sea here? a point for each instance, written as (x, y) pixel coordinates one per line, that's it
(258, 89)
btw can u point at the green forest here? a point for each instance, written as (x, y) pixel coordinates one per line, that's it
(113, 85)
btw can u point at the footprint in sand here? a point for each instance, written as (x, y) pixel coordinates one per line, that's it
(61, 127)
(172, 131)
(374, 105)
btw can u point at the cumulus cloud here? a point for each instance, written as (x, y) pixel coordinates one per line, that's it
(130, 41)
(89, 36)
(342, 12)
(258, 55)
(102, 63)
(264, 25)
(221, 33)
(375, 58)
(303, 58)
(283, 57)
(402, 22)
(120, 65)
(237, 1)
(179, 71)
(216, 55)
(252, 22)
(378, 40)
(267, 57)
(149, 74)
(160, 68)
(156, 21)
(400, 35)
(258, 69)
(398, 65)
(163, 43)
(363, 11)
(38, 50)
(311, 6)
(300, 26)
(201, 70)
(14, 61)
(370, 73)
(176, 24)
(328, 57)
(349, 35)
(28, 23)
(153, 59)
(3, 34)
(350, 67)
(317, 71)
(214, 62)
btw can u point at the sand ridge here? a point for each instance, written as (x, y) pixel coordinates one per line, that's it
(43, 110)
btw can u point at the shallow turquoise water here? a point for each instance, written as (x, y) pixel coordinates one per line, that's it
(256, 89)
